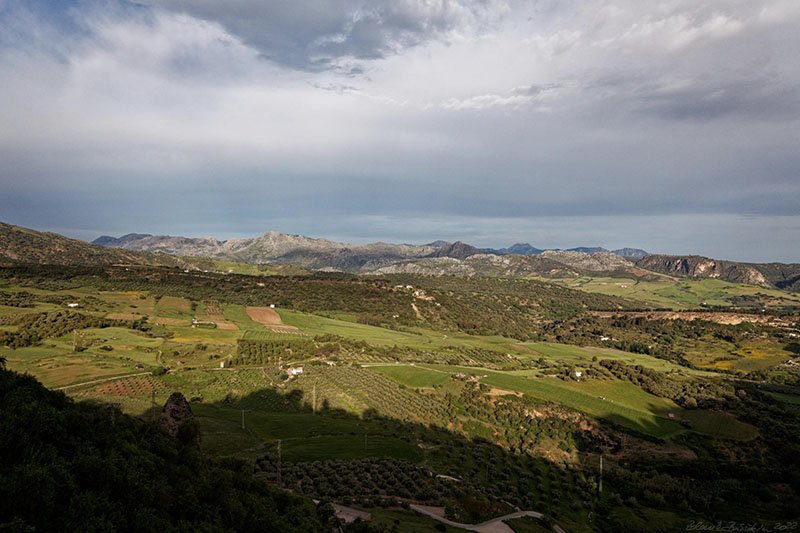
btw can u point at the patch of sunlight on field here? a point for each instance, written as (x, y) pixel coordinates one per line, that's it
(411, 376)
(579, 355)
(238, 315)
(205, 335)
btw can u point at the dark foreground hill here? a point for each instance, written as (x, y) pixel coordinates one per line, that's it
(67, 466)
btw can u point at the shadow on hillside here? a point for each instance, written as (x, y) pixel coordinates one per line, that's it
(389, 461)
(373, 460)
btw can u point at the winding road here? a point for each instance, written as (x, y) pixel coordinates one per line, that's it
(495, 525)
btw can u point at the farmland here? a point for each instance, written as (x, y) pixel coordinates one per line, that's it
(397, 395)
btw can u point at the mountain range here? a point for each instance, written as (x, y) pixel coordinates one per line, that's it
(321, 253)
(18, 244)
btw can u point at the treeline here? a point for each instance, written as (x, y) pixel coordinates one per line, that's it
(33, 328)
(27, 299)
(69, 466)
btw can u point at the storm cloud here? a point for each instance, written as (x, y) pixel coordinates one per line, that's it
(672, 127)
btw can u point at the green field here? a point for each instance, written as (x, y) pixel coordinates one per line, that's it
(412, 376)
(616, 401)
(579, 355)
(431, 340)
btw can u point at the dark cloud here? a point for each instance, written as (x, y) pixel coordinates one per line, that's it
(324, 34)
(672, 130)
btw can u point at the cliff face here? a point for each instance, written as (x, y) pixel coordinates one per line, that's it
(703, 267)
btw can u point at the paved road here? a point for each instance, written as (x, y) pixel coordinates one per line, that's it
(489, 525)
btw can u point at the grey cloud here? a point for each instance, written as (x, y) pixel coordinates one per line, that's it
(329, 34)
(748, 98)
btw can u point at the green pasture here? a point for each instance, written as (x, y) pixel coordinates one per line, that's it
(578, 355)
(791, 399)
(617, 401)
(269, 335)
(173, 307)
(718, 425)
(59, 366)
(710, 352)
(411, 376)
(7, 310)
(238, 315)
(188, 334)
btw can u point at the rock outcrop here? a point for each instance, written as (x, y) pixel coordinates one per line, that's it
(703, 267)
(178, 420)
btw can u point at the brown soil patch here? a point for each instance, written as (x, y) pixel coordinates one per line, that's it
(269, 317)
(264, 315)
(123, 316)
(502, 392)
(164, 321)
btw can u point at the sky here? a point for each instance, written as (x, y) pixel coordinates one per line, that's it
(671, 125)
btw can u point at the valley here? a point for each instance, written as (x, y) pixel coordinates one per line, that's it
(513, 388)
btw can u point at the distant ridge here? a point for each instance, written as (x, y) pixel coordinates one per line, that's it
(318, 254)
(630, 252)
(456, 250)
(523, 248)
(114, 242)
(23, 245)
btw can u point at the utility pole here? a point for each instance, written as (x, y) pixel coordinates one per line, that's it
(601, 473)
(74, 340)
(279, 461)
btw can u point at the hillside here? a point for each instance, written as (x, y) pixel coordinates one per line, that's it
(549, 264)
(70, 466)
(277, 248)
(779, 275)
(25, 245)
